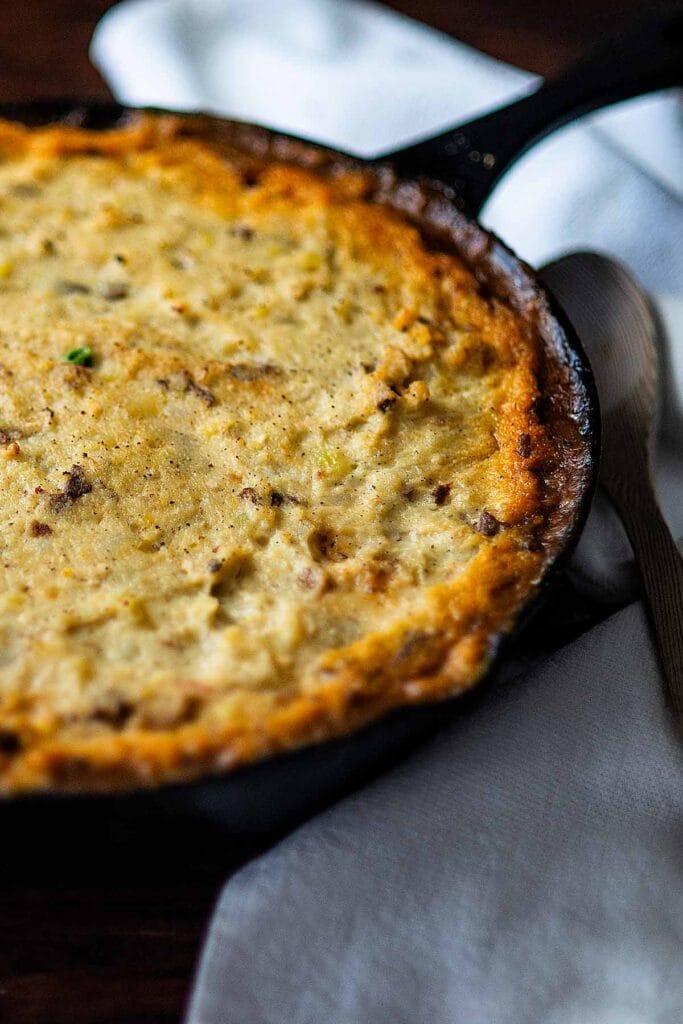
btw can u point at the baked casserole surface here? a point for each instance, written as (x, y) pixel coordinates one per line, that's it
(271, 463)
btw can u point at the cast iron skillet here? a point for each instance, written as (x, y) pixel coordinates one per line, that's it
(441, 183)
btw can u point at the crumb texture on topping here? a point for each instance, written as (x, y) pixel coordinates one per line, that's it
(269, 465)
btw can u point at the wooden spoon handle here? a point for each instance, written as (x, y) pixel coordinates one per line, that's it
(661, 569)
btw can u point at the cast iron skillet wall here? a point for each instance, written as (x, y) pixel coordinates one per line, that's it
(441, 184)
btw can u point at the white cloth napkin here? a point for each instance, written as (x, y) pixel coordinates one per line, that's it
(525, 868)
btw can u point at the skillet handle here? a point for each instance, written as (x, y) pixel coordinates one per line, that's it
(472, 158)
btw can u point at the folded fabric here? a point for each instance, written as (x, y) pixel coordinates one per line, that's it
(353, 75)
(525, 867)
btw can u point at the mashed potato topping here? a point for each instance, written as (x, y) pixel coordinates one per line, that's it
(269, 464)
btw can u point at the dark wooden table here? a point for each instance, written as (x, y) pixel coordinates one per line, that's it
(112, 938)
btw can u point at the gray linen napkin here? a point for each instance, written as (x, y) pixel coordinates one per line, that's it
(525, 867)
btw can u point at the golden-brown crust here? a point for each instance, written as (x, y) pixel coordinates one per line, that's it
(442, 645)
(445, 657)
